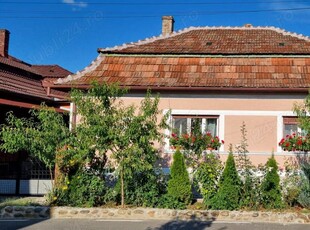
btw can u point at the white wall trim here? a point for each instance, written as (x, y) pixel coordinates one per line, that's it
(279, 131)
(231, 112)
(221, 131)
(214, 96)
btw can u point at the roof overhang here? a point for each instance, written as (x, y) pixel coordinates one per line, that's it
(190, 89)
(24, 105)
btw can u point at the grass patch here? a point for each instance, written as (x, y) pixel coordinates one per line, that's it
(21, 201)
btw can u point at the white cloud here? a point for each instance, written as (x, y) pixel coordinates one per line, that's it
(75, 3)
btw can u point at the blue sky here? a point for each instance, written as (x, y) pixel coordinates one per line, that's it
(68, 32)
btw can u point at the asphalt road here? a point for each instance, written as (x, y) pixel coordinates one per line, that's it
(78, 224)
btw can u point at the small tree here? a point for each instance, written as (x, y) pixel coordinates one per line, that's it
(179, 185)
(229, 192)
(46, 136)
(127, 132)
(43, 135)
(244, 164)
(270, 188)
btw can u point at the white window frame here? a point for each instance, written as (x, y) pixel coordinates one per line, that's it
(203, 122)
(192, 114)
(299, 130)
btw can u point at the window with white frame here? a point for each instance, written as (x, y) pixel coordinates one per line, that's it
(290, 126)
(182, 124)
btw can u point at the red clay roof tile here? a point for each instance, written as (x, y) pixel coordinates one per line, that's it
(22, 78)
(240, 57)
(219, 40)
(51, 71)
(196, 74)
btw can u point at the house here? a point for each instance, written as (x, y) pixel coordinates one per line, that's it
(20, 90)
(220, 76)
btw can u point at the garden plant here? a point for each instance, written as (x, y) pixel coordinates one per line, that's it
(126, 140)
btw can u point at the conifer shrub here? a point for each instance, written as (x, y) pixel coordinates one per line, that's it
(229, 193)
(304, 196)
(271, 197)
(179, 185)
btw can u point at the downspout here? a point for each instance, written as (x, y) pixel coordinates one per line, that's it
(72, 123)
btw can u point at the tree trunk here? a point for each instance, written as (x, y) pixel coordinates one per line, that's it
(51, 176)
(122, 190)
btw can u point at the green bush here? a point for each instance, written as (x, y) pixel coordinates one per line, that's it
(291, 187)
(304, 196)
(229, 192)
(271, 196)
(86, 189)
(179, 185)
(207, 176)
(143, 189)
(83, 189)
(170, 201)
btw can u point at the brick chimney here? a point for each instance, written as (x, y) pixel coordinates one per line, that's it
(167, 25)
(4, 42)
(248, 25)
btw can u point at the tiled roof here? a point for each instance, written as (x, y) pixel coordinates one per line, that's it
(51, 71)
(18, 64)
(22, 78)
(218, 57)
(21, 85)
(220, 40)
(176, 71)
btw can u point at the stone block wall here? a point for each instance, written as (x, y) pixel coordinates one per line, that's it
(152, 213)
(30, 212)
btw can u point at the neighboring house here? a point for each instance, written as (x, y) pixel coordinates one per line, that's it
(20, 90)
(221, 76)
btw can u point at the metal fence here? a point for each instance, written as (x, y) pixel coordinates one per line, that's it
(21, 174)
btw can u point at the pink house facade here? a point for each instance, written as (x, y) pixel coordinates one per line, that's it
(218, 76)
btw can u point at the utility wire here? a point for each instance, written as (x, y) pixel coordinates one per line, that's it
(150, 3)
(152, 16)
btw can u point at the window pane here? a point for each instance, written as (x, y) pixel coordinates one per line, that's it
(183, 125)
(211, 126)
(196, 125)
(179, 125)
(290, 129)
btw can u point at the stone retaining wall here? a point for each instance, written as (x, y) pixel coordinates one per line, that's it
(25, 212)
(152, 213)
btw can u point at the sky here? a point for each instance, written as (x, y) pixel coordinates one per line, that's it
(69, 32)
